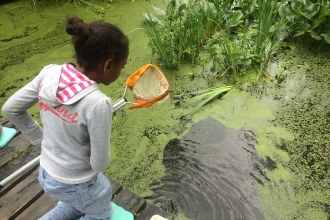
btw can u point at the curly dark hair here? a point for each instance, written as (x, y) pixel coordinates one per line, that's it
(96, 42)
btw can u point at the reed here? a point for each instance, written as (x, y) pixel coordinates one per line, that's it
(202, 97)
(268, 30)
(178, 33)
(164, 44)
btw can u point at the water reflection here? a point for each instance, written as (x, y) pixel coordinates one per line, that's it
(213, 173)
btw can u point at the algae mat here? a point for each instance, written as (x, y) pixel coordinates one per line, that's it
(290, 119)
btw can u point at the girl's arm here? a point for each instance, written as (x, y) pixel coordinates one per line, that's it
(99, 128)
(15, 110)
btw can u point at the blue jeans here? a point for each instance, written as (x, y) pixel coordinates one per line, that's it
(90, 200)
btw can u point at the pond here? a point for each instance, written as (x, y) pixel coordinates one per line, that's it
(259, 152)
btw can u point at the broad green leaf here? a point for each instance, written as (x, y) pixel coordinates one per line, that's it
(315, 35)
(310, 11)
(307, 3)
(286, 13)
(204, 6)
(181, 8)
(216, 2)
(273, 28)
(159, 11)
(326, 37)
(150, 18)
(224, 7)
(171, 8)
(297, 6)
(234, 18)
(213, 9)
(305, 8)
(319, 17)
(248, 7)
(300, 29)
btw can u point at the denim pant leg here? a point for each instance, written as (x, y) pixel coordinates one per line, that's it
(92, 198)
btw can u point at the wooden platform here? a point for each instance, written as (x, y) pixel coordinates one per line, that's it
(23, 197)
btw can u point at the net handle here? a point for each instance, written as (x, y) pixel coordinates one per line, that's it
(121, 102)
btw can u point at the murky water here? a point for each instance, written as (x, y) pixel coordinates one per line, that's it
(212, 173)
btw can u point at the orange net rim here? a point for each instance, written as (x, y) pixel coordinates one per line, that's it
(140, 102)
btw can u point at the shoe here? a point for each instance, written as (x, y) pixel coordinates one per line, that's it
(6, 135)
(120, 214)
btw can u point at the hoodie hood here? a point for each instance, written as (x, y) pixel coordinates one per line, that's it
(65, 85)
(71, 83)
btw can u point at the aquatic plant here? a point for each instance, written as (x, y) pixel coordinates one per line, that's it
(252, 43)
(168, 45)
(268, 30)
(204, 96)
(232, 54)
(181, 32)
(305, 17)
(177, 34)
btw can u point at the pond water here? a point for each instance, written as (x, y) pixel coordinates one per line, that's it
(212, 174)
(260, 152)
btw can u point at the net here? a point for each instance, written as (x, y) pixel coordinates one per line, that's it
(149, 85)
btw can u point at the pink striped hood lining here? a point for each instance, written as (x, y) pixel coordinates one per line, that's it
(71, 82)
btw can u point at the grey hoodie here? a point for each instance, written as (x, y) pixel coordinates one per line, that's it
(75, 142)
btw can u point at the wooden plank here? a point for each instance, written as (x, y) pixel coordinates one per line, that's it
(39, 208)
(24, 197)
(20, 197)
(136, 204)
(22, 159)
(151, 210)
(3, 121)
(129, 201)
(14, 147)
(123, 198)
(17, 180)
(8, 124)
(115, 186)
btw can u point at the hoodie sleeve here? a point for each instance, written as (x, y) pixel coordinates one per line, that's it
(99, 128)
(16, 110)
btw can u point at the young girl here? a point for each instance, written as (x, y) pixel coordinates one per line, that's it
(76, 118)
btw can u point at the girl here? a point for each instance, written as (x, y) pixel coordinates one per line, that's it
(76, 118)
